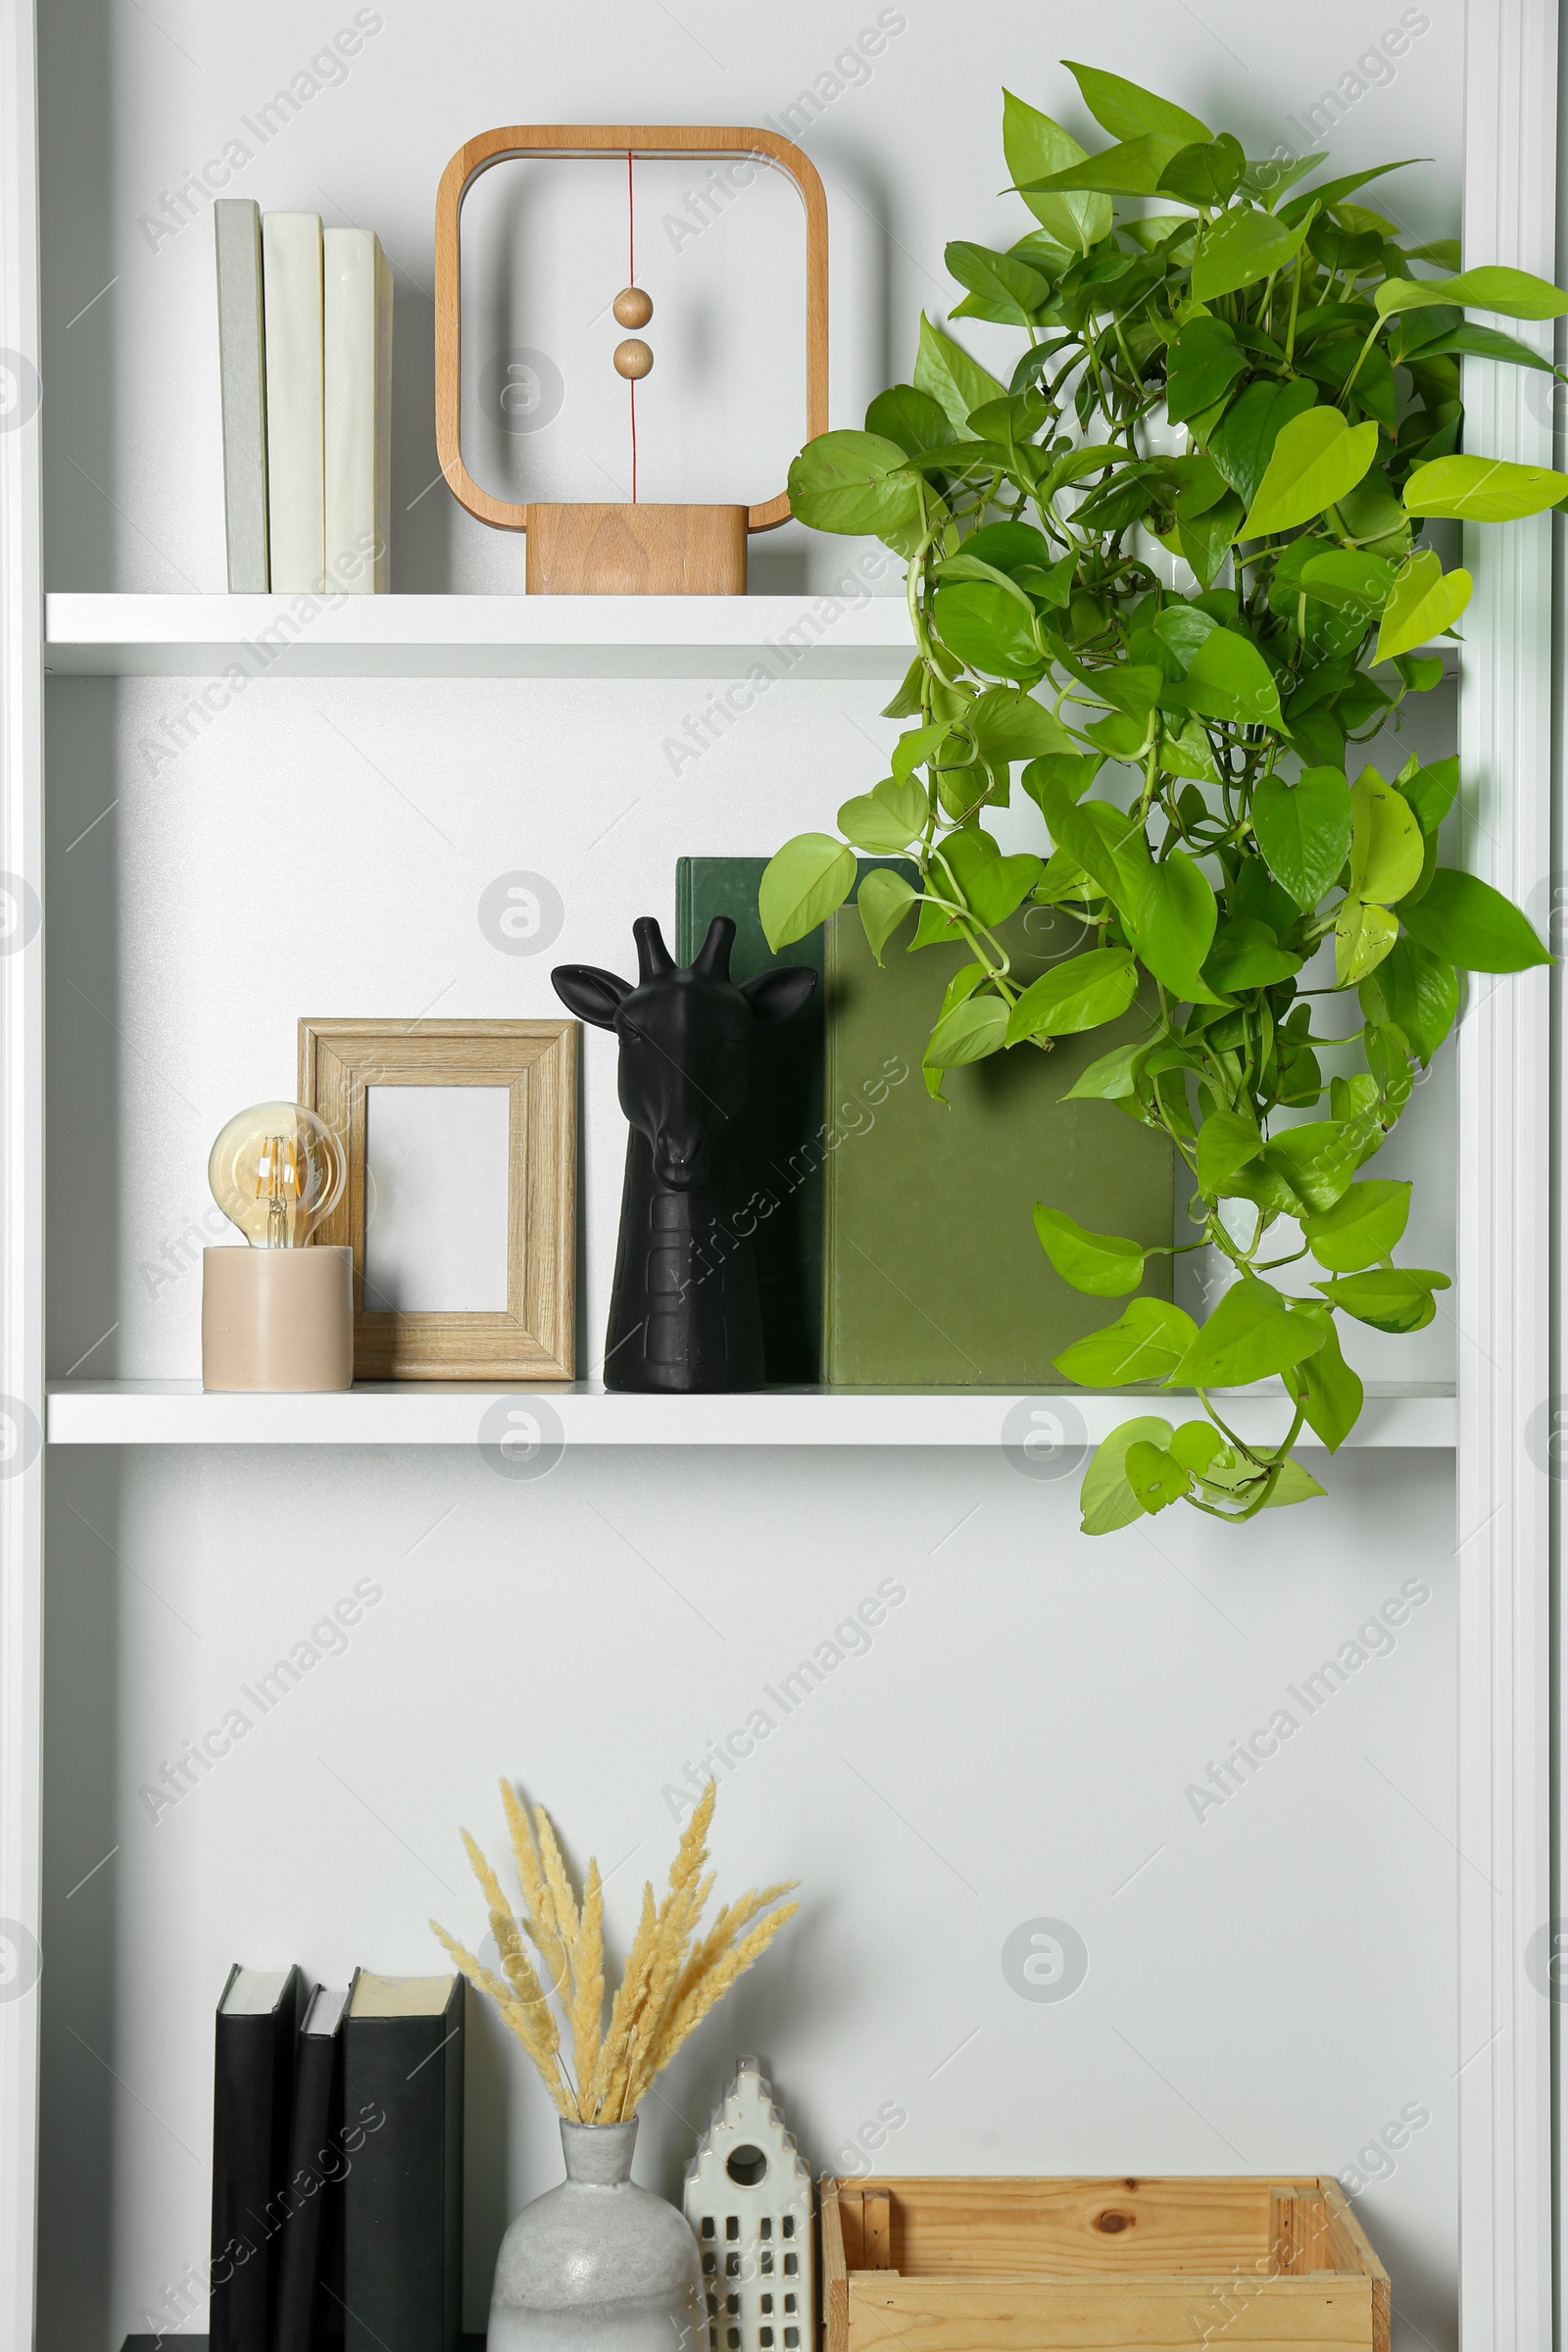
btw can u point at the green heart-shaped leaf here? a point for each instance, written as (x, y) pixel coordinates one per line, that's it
(968, 1033)
(1155, 1477)
(884, 899)
(808, 878)
(1465, 921)
(886, 818)
(1250, 1336)
(1238, 248)
(1303, 830)
(1389, 1297)
(1425, 601)
(854, 482)
(1127, 110)
(1083, 992)
(1317, 458)
(1150, 1337)
(1511, 293)
(1482, 489)
(1105, 1498)
(1103, 1264)
(1363, 935)
(1363, 1225)
(956, 383)
(1386, 845)
(1036, 147)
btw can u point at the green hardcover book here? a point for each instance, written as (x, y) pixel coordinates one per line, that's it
(780, 1130)
(933, 1274)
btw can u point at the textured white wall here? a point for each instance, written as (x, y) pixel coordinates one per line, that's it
(1269, 1988)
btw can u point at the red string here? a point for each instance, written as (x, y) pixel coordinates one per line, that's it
(631, 280)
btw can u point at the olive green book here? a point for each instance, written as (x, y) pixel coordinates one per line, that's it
(933, 1274)
(780, 1132)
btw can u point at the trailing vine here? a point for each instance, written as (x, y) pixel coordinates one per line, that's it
(1177, 573)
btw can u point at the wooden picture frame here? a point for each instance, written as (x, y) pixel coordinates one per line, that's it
(535, 1338)
(605, 549)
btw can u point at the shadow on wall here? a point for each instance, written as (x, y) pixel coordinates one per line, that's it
(83, 994)
(80, 364)
(85, 1639)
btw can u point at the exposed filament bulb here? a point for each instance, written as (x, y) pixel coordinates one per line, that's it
(276, 1171)
(277, 1183)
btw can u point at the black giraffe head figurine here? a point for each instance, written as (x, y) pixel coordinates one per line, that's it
(683, 1314)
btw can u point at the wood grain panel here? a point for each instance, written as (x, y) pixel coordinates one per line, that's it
(1071, 2228)
(1128, 2314)
(619, 549)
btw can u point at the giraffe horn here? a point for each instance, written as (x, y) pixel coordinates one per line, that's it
(654, 958)
(713, 957)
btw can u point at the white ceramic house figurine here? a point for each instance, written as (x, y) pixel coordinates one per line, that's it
(749, 2199)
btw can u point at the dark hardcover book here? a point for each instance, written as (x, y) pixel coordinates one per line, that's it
(309, 2242)
(933, 1272)
(779, 1134)
(403, 2198)
(253, 2098)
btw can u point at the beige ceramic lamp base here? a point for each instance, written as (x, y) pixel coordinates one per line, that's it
(281, 1320)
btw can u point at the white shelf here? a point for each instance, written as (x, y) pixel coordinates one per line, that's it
(477, 636)
(177, 1413)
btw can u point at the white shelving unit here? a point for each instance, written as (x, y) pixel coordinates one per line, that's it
(177, 1412)
(963, 1660)
(477, 636)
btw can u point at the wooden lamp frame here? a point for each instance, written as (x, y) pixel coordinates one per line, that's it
(606, 549)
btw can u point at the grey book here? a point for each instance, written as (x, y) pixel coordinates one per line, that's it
(242, 362)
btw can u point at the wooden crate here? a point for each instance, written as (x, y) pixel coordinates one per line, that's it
(1097, 2266)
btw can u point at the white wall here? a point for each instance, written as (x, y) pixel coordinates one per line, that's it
(1268, 1985)
(1276, 1985)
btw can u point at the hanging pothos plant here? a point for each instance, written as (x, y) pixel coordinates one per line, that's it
(1265, 387)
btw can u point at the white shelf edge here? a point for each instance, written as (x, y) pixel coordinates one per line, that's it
(94, 635)
(461, 1413)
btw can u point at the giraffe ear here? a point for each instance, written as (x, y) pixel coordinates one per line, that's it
(592, 995)
(774, 994)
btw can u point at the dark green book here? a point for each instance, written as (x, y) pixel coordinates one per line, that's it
(779, 1133)
(933, 1274)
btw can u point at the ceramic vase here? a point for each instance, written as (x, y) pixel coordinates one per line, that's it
(598, 2265)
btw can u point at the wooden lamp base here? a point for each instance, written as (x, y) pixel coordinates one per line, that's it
(636, 551)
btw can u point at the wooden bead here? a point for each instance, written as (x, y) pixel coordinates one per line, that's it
(632, 307)
(633, 359)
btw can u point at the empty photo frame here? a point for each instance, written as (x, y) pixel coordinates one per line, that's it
(461, 1206)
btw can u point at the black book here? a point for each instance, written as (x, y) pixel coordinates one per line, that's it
(403, 2198)
(252, 2096)
(309, 2242)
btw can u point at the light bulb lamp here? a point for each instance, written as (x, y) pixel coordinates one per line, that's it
(279, 1314)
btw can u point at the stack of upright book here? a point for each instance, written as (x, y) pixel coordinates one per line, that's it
(338, 2164)
(895, 1239)
(305, 347)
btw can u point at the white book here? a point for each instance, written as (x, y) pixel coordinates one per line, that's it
(358, 340)
(238, 223)
(291, 273)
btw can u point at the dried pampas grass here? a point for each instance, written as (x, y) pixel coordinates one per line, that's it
(675, 1971)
